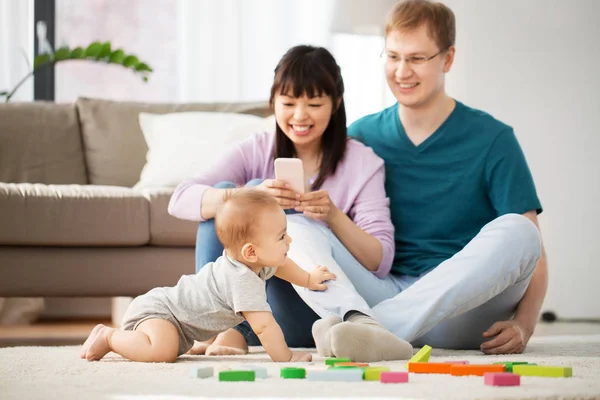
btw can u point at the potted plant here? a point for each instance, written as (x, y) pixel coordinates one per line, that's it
(96, 52)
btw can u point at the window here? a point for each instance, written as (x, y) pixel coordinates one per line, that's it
(145, 28)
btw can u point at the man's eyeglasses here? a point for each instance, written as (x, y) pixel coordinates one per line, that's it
(395, 59)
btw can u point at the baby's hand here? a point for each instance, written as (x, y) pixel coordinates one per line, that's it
(300, 356)
(318, 276)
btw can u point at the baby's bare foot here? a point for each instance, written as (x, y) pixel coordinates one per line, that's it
(218, 350)
(99, 347)
(199, 348)
(90, 339)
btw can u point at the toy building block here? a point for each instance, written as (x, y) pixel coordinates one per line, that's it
(430, 368)
(350, 364)
(421, 356)
(544, 371)
(236, 376)
(292, 373)
(373, 373)
(459, 362)
(333, 361)
(346, 367)
(336, 375)
(394, 377)
(501, 379)
(510, 364)
(259, 372)
(202, 372)
(475, 369)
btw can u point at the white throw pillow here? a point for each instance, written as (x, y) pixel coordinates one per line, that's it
(181, 145)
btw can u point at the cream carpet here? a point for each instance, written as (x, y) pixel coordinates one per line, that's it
(58, 373)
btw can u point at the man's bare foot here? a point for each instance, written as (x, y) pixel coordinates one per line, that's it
(199, 348)
(89, 340)
(99, 347)
(228, 343)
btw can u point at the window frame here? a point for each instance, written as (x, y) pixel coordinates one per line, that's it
(44, 79)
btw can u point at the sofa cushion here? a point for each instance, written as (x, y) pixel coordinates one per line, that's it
(115, 149)
(72, 215)
(40, 142)
(183, 145)
(166, 230)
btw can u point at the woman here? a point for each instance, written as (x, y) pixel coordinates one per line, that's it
(344, 215)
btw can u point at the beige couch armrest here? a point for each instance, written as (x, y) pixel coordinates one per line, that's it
(72, 215)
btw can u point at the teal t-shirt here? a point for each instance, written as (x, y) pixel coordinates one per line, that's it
(443, 191)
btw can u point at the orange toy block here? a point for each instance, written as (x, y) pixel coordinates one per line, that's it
(350, 364)
(429, 368)
(475, 369)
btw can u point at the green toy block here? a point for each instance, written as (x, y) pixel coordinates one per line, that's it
(236, 376)
(421, 356)
(544, 371)
(510, 364)
(332, 361)
(292, 373)
(346, 367)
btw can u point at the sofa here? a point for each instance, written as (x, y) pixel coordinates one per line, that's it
(71, 222)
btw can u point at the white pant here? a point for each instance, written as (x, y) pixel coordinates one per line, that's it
(447, 307)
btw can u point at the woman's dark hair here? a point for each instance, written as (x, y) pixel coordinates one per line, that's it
(313, 71)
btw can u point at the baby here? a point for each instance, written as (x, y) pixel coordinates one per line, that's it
(163, 323)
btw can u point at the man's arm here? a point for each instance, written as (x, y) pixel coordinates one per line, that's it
(529, 308)
(509, 337)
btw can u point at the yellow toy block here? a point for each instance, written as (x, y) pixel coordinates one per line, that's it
(421, 356)
(544, 371)
(374, 373)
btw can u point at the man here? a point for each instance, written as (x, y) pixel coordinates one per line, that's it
(470, 269)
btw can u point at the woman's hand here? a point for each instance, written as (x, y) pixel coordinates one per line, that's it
(317, 276)
(317, 205)
(281, 191)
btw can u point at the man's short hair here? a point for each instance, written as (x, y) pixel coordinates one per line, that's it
(411, 14)
(237, 218)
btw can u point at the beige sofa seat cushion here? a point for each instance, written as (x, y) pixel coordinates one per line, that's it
(114, 146)
(40, 142)
(166, 230)
(72, 215)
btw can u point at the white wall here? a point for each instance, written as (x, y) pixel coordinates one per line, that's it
(535, 64)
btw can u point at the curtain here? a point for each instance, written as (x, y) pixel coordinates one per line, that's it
(16, 46)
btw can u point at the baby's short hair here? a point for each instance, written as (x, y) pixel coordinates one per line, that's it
(237, 217)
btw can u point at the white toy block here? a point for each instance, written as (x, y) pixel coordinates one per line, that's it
(259, 372)
(202, 371)
(336, 375)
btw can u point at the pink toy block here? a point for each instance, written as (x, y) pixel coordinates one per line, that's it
(394, 377)
(456, 362)
(501, 379)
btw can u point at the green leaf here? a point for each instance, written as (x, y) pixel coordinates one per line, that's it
(77, 52)
(104, 51)
(64, 53)
(4, 93)
(143, 67)
(145, 78)
(117, 57)
(131, 61)
(93, 49)
(41, 59)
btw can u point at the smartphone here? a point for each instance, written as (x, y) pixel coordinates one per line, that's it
(291, 171)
